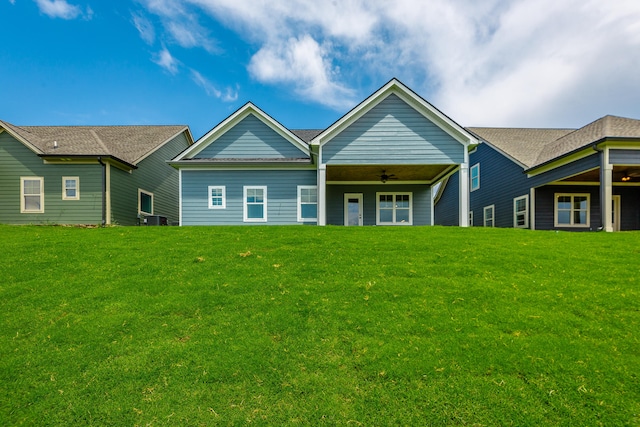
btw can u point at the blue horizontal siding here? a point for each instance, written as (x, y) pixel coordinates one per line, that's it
(421, 199)
(447, 210)
(393, 132)
(282, 195)
(251, 138)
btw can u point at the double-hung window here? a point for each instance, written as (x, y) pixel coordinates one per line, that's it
(489, 213)
(70, 188)
(521, 212)
(474, 177)
(31, 194)
(307, 203)
(571, 210)
(255, 204)
(145, 202)
(217, 197)
(394, 209)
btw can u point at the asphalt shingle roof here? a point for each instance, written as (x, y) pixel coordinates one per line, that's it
(128, 143)
(521, 144)
(534, 147)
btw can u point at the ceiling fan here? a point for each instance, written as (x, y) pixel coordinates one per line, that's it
(384, 177)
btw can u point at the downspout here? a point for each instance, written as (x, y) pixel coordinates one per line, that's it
(104, 191)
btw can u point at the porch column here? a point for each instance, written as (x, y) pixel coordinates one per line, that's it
(606, 191)
(322, 194)
(464, 195)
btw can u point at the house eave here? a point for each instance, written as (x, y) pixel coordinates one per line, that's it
(86, 159)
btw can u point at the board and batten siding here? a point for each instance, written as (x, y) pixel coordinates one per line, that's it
(16, 160)
(421, 200)
(282, 195)
(393, 132)
(251, 138)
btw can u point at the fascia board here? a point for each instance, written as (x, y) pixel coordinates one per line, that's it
(26, 143)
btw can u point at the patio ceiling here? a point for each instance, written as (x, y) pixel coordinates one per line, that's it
(630, 173)
(395, 172)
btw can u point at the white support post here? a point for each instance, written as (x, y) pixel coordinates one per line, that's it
(322, 194)
(532, 208)
(606, 191)
(464, 195)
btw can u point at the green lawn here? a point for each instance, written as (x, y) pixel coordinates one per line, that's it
(155, 326)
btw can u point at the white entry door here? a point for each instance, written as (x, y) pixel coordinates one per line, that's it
(353, 209)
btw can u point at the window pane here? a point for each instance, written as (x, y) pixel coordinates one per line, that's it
(520, 220)
(564, 202)
(564, 217)
(402, 215)
(71, 192)
(309, 210)
(255, 211)
(32, 187)
(32, 203)
(386, 215)
(521, 205)
(145, 203)
(580, 202)
(579, 217)
(402, 201)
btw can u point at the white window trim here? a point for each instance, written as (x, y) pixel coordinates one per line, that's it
(470, 218)
(477, 168)
(572, 195)
(140, 211)
(525, 212)
(23, 208)
(64, 187)
(399, 193)
(245, 205)
(306, 187)
(491, 208)
(224, 196)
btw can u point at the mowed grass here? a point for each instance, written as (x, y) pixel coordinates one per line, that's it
(155, 326)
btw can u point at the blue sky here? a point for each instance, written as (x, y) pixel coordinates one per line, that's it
(528, 63)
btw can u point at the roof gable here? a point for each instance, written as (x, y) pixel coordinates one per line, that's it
(130, 144)
(248, 134)
(395, 87)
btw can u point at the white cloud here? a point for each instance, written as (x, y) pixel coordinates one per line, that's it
(144, 27)
(167, 61)
(62, 9)
(228, 95)
(181, 25)
(495, 62)
(304, 64)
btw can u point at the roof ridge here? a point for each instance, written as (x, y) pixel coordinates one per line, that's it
(99, 141)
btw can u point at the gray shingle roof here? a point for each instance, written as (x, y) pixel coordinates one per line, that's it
(307, 134)
(534, 147)
(128, 143)
(521, 144)
(605, 127)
